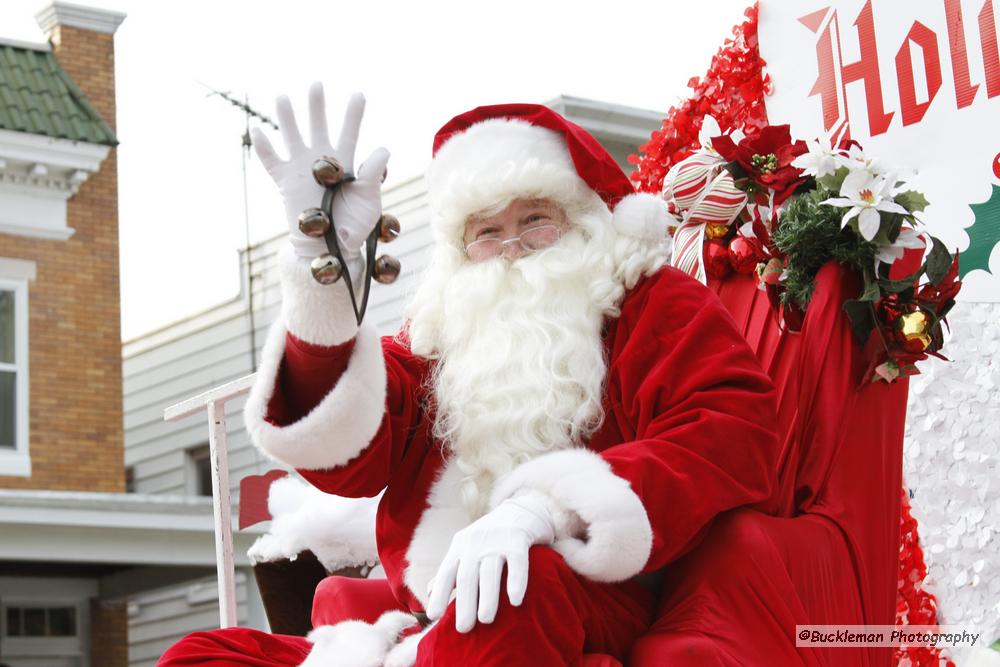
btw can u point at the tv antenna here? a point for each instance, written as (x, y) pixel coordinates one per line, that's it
(248, 113)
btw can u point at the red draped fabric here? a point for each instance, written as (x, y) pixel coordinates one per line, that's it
(824, 549)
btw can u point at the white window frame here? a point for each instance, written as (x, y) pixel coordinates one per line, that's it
(17, 462)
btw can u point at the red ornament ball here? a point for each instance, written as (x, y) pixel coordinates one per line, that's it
(716, 257)
(742, 256)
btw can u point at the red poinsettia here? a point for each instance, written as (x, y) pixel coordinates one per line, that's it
(766, 157)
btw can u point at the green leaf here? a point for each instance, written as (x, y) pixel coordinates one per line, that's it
(912, 201)
(862, 320)
(938, 261)
(835, 180)
(984, 234)
(901, 285)
(871, 291)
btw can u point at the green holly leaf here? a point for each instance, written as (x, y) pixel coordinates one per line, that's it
(861, 318)
(912, 201)
(938, 261)
(984, 234)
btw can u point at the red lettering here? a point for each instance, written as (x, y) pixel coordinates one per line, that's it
(925, 38)
(991, 57)
(866, 69)
(826, 80)
(965, 92)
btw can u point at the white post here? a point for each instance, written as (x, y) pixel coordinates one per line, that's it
(214, 401)
(219, 454)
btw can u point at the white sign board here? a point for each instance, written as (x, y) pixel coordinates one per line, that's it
(917, 84)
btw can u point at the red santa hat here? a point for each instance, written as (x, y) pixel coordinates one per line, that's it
(493, 154)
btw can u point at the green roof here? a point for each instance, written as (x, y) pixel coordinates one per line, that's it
(38, 97)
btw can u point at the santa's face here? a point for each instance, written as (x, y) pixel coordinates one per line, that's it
(523, 227)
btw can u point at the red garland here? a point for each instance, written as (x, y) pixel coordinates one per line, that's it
(914, 605)
(733, 93)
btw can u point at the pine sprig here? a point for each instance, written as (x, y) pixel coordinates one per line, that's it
(810, 235)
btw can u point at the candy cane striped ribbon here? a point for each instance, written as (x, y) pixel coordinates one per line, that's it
(704, 193)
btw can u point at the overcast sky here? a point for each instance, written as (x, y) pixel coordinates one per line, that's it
(418, 63)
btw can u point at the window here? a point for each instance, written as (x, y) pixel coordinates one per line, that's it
(14, 459)
(199, 471)
(41, 621)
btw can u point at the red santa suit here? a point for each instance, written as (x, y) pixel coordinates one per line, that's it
(687, 433)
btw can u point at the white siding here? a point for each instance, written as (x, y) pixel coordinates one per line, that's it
(157, 619)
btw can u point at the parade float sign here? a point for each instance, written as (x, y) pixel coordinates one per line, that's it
(917, 84)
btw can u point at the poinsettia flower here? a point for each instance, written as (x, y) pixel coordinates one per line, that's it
(855, 159)
(864, 194)
(908, 239)
(766, 157)
(710, 129)
(821, 160)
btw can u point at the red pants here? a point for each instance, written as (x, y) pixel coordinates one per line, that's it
(563, 616)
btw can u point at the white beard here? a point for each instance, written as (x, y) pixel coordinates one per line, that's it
(520, 361)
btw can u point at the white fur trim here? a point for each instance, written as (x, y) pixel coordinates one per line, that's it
(494, 162)
(404, 654)
(618, 537)
(317, 314)
(643, 216)
(444, 516)
(341, 426)
(356, 643)
(339, 531)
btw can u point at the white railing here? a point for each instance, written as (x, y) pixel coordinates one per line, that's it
(214, 402)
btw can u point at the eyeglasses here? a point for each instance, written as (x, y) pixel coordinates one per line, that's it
(536, 238)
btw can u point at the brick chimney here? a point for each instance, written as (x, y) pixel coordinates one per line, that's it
(83, 41)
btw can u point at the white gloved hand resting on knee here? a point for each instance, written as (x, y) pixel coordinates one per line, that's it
(476, 558)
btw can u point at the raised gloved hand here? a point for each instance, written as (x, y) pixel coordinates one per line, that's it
(356, 643)
(358, 204)
(476, 557)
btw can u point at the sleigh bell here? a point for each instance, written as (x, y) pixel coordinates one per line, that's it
(326, 269)
(328, 171)
(388, 228)
(314, 222)
(387, 269)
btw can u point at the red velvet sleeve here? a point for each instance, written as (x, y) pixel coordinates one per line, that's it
(696, 411)
(308, 372)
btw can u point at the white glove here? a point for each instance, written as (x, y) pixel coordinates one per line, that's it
(358, 204)
(356, 643)
(477, 554)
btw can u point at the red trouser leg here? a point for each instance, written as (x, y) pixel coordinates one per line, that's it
(562, 617)
(344, 598)
(236, 646)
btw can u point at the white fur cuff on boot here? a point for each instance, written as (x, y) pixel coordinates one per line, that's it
(356, 643)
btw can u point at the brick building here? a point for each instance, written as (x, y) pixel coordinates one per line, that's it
(74, 546)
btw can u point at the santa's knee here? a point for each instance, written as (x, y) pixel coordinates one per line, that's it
(547, 571)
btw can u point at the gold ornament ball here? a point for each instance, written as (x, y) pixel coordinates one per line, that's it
(915, 328)
(714, 230)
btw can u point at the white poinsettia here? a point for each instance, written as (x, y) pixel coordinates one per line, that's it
(864, 194)
(908, 239)
(821, 160)
(855, 159)
(709, 129)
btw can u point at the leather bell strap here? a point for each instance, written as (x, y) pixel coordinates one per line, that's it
(333, 245)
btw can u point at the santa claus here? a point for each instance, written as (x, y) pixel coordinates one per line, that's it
(561, 417)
